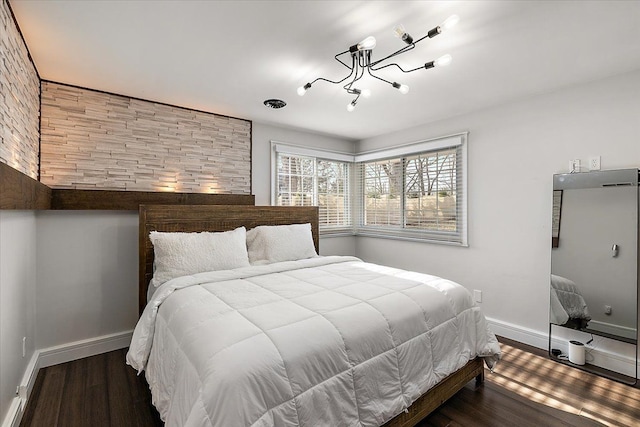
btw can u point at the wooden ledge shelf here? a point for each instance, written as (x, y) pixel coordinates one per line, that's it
(21, 192)
(131, 200)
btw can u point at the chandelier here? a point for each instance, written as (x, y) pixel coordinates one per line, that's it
(362, 64)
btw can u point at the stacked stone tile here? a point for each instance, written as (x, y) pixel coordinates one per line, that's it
(96, 140)
(19, 99)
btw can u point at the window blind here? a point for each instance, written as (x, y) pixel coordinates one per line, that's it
(415, 192)
(307, 177)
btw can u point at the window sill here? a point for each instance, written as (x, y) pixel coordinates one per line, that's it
(410, 237)
(341, 232)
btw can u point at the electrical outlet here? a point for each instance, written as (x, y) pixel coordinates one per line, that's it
(574, 166)
(594, 163)
(477, 295)
(607, 309)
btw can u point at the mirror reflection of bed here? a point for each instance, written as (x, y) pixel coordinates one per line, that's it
(568, 307)
(594, 258)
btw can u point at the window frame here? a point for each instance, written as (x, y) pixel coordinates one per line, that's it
(401, 152)
(355, 204)
(317, 154)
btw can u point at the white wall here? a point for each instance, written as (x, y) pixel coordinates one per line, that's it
(513, 152)
(17, 299)
(87, 275)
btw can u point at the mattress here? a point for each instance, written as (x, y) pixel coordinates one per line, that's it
(326, 341)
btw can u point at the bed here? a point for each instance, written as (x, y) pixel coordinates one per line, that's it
(314, 341)
(568, 307)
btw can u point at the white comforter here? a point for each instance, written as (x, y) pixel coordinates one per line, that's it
(328, 341)
(566, 301)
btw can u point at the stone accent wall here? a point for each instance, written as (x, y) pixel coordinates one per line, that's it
(96, 140)
(19, 99)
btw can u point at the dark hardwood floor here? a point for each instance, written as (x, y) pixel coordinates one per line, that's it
(96, 391)
(526, 389)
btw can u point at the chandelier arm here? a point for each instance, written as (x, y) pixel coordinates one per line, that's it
(357, 77)
(379, 78)
(342, 62)
(423, 37)
(355, 64)
(365, 59)
(397, 52)
(349, 89)
(430, 34)
(401, 69)
(352, 68)
(331, 81)
(362, 70)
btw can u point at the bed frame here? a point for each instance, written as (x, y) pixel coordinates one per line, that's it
(190, 218)
(185, 218)
(432, 399)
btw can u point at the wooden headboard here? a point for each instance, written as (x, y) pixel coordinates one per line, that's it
(192, 218)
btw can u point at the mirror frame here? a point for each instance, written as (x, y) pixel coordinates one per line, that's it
(595, 179)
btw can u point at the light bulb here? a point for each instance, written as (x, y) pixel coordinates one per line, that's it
(449, 22)
(366, 93)
(404, 89)
(351, 106)
(443, 60)
(400, 32)
(303, 89)
(367, 44)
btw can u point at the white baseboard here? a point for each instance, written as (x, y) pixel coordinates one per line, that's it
(609, 328)
(519, 333)
(612, 359)
(29, 377)
(55, 355)
(14, 416)
(84, 348)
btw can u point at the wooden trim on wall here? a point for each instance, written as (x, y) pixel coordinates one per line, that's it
(131, 200)
(20, 191)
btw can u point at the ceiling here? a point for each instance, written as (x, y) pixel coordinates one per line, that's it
(227, 57)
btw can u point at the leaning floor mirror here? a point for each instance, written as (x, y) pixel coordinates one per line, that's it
(593, 321)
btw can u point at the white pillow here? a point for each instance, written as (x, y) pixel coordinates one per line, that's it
(276, 243)
(181, 254)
